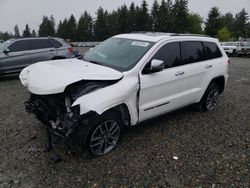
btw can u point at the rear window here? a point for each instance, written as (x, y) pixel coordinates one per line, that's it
(40, 44)
(192, 51)
(211, 50)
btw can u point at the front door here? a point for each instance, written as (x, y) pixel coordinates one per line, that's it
(162, 91)
(17, 58)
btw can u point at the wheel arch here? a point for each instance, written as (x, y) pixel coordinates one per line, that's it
(123, 111)
(220, 82)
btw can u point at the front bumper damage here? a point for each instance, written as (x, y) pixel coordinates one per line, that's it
(64, 124)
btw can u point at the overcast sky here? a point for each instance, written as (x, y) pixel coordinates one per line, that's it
(30, 12)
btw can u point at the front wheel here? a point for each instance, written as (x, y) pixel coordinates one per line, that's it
(105, 134)
(210, 98)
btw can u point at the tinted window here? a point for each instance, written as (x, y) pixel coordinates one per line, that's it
(192, 52)
(55, 43)
(17, 46)
(40, 44)
(211, 50)
(170, 54)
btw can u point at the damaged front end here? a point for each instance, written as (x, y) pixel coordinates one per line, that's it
(61, 119)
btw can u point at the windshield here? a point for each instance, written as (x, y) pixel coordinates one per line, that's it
(117, 53)
(5, 44)
(229, 44)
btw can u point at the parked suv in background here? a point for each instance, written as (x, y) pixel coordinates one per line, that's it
(16, 54)
(245, 50)
(123, 81)
(232, 48)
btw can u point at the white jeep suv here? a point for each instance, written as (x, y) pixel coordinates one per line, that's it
(124, 80)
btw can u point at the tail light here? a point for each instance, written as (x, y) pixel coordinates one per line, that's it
(70, 49)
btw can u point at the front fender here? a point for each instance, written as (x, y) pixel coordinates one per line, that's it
(123, 92)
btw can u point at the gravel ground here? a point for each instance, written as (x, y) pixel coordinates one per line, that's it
(213, 148)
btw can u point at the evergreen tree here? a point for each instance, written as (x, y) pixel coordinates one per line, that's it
(180, 14)
(143, 21)
(165, 23)
(122, 19)
(33, 33)
(47, 27)
(132, 18)
(240, 25)
(16, 31)
(85, 28)
(155, 16)
(112, 23)
(195, 22)
(228, 21)
(61, 28)
(214, 22)
(72, 28)
(26, 32)
(6, 35)
(101, 31)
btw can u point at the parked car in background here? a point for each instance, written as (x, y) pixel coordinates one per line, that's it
(245, 50)
(16, 54)
(123, 81)
(231, 48)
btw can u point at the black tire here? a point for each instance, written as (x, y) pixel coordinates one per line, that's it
(109, 136)
(234, 54)
(210, 98)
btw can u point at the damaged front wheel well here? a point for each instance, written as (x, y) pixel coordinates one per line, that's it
(123, 111)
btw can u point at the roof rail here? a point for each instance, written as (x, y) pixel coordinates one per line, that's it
(188, 34)
(149, 32)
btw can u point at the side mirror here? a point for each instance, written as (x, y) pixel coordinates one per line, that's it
(6, 51)
(156, 65)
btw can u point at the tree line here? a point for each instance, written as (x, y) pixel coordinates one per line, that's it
(166, 16)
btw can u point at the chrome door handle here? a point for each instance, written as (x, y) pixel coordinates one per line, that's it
(179, 73)
(209, 66)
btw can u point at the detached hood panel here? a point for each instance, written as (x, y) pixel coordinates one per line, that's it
(52, 77)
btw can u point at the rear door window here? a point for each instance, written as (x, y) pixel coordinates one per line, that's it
(40, 44)
(170, 54)
(211, 50)
(21, 45)
(192, 51)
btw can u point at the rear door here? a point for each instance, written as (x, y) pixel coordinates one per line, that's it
(199, 63)
(41, 50)
(17, 58)
(192, 53)
(162, 91)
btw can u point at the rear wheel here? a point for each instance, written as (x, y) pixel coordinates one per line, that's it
(210, 98)
(105, 134)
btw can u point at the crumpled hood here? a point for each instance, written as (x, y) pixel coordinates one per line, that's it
(52, 77)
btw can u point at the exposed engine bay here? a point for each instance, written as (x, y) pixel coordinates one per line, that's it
(56, 111)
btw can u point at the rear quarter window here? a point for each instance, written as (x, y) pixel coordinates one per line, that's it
(211, 50)
(55, 43)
